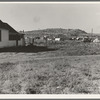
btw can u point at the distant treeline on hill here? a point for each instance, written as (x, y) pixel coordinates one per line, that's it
(56, 31)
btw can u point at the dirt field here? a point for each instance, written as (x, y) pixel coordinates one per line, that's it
(61, 68)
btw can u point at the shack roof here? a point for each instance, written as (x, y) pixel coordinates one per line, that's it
(6, 26)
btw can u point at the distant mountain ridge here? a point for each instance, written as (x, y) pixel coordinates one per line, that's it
(55, 31)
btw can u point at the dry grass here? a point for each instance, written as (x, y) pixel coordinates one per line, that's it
(51, 72)
(49, 77)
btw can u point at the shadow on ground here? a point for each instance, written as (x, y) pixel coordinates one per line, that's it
(27, 49)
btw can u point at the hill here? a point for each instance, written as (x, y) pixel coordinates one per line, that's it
(56, 31)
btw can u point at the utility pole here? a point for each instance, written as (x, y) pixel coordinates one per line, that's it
(92, 30)
(23, 31)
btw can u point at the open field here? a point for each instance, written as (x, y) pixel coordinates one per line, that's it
(62, 68)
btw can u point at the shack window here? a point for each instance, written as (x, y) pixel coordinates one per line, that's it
(0, 35)
(14, 37)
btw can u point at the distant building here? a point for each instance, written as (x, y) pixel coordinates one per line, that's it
(10, 37)
(87, 39)
(57, 39)
(39, 40)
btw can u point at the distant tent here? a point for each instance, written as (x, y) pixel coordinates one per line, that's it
(96, 40)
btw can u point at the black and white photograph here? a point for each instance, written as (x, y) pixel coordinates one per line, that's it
(49, 48)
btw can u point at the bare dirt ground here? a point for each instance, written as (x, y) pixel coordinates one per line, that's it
(68, 68)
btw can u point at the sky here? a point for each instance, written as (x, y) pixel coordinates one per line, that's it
(34, 16)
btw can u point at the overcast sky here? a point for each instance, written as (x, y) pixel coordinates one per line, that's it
(32, 16)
